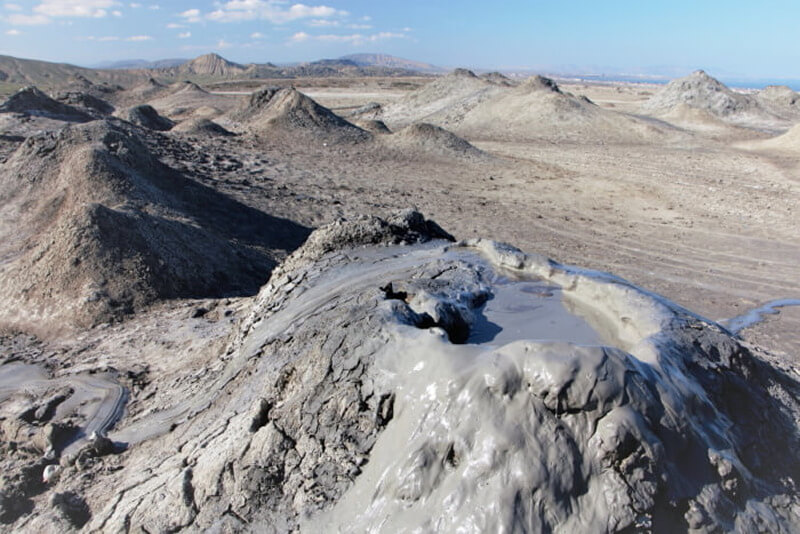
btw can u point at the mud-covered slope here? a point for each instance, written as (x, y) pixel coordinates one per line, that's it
(288, 112)
(146, 117)
(703, 92)
(442, 101)
(94, 226)
(416, 384)
(32, 101)
(423, 138)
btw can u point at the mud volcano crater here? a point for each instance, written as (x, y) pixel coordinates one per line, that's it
(390, 379)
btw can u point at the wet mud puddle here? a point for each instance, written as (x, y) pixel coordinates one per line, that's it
(531, 310)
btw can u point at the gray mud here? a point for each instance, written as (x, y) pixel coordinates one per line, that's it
(94, 402)
(755, 316)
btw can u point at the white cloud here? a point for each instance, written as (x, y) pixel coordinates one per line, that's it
(139, 38)
(13, 7)
(106, 38)
(19, 19)
(116, 13)
(184, 35)
(174, 26)
(13, 32)
(134, 5)
(154, 7)
(191, 15)
(321, 23)
(223, 44)
(256, 35)
(274, 11)
(355, 38)
(75, 8)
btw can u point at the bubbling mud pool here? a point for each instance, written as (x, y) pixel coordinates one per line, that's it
(530, 309)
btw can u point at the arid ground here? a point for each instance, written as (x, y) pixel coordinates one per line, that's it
(135, 240)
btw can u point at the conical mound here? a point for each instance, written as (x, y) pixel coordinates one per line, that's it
(442, 101)
(427, 138)
(101, 228)
(89, 103)
(290, 112)
(780, 100)
(541, 83)
(428, 386)
(211, 65)
(32, 101)
(187, 88)
(147, 117)
(538, 109)
(145, 91)
(497, 78)
(701, 91)
(201, 126)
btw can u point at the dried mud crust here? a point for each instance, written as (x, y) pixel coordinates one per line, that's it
(103, 228)
(324, 366)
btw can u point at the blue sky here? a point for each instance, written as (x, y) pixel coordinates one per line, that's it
(728, 38)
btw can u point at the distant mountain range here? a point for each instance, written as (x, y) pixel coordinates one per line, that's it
(208, 68)
(217, 65)
(140, 64)
(385, 60)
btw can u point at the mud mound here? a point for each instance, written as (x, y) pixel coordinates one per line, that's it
(787, 142)
(101, 227)
(780, 100)
(290, 112)
(497, 78)
(91, 104)
(187, 88)
(538, 109)
(201, 126)
(443, 101)
(433, 387)
(185, 100)
(535, 109)
(32, 101)
(701, 91)
(541, 83)
(147, 117)
(373, 126)
(146, 91)
(423, 137)
(212, 65)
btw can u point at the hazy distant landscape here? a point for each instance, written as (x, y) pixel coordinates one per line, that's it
(372, 294)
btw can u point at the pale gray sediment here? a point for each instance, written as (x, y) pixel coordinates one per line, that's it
(756, 315)
(354, 401)
(95, 401)
(385, 380)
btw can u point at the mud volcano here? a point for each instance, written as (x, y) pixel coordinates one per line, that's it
(418, 384)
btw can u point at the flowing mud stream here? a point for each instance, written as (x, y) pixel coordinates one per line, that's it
(97, 402)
